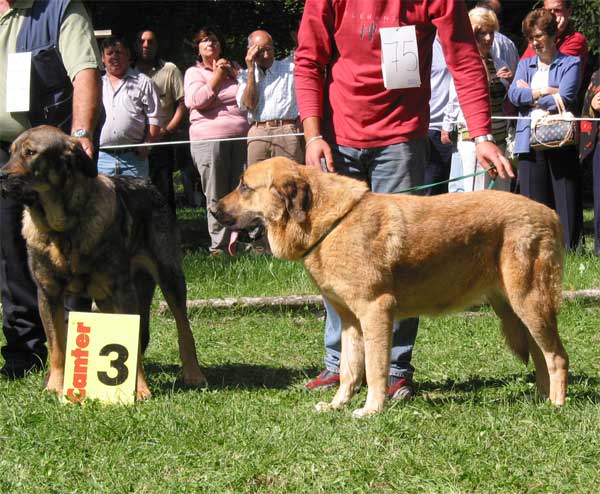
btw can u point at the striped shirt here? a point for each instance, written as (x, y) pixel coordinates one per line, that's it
(276, 92)
(497, 96)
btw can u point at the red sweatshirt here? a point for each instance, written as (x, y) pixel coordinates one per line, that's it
(570, 42)
(341, 38)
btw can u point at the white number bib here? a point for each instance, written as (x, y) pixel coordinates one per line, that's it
(18, 77)
(399, 57)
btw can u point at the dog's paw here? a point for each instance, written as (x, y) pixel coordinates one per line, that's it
(195, 380)
(360, 413)
(54, 383)
(324, 406)
(143, 394)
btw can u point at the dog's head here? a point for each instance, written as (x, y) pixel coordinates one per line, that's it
(270, 194)
(41, 159)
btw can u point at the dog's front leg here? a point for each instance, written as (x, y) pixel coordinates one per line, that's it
(52, 312)
(377, 333)
(352, 364)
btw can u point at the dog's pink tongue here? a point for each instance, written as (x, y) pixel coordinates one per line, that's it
(232, 240)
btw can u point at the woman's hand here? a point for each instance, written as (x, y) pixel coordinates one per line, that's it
(505, 73)
(222, 68)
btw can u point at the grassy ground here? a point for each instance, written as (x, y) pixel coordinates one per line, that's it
(476, 425)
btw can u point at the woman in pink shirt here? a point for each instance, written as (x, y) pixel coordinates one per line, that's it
(210, 88)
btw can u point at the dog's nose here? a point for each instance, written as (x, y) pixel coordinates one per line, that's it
(221, 216)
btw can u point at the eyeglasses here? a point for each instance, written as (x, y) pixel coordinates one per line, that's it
(265, 49)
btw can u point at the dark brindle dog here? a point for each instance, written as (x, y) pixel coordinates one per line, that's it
(113, 239)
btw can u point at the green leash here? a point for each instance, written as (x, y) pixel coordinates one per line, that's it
(428, 186)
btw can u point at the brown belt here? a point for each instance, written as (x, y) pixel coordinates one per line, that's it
(275, 123)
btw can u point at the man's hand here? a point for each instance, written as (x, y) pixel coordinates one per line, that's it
(87, 145)
(445, 137)
(316, 150)
(251, 56)
(522, 84)
(489, 155)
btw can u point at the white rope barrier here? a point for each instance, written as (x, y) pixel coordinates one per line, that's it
(174, 143)
(261, 138)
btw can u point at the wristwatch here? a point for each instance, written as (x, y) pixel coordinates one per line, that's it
(487, 137)
(81, 133)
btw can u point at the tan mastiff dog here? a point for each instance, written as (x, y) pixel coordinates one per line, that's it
(379, 257)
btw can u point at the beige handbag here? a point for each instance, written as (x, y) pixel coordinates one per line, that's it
(554, 130)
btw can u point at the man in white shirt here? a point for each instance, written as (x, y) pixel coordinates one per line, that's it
(267, 91)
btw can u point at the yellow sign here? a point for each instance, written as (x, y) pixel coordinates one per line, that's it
(101, 358)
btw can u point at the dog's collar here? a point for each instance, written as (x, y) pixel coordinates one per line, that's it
(327, 232)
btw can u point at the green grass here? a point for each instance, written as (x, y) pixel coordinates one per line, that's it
(476, 425)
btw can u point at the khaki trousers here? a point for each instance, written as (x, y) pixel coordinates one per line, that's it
(262, 146)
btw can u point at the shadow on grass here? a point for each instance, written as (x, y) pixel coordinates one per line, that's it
(229, 376)
(166, 378)
(582, 387)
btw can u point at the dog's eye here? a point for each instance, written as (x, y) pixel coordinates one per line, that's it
(244, 188)
(30, 152)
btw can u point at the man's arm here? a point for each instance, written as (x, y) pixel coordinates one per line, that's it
(87, 98)
(178, 116)
(250, 95)
(312, 57)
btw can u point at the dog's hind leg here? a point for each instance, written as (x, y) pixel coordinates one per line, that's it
(534, 297)
(172, 284)
(515, 332)
(352, 362)
(144, 286)
(543, 328)
(519, 340)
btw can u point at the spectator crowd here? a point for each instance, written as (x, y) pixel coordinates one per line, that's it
(326, 105)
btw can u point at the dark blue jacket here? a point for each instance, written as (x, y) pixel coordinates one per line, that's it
(564, 74)
(51, 95)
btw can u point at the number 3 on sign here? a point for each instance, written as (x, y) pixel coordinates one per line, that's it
(101, 358)
(399, 57)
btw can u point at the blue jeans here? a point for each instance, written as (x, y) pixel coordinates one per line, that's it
(437, 169)
(127, 164)
(389, 169)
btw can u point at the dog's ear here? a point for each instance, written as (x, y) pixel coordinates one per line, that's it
(297, 196)
(80, 160)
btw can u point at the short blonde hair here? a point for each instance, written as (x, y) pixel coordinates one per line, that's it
(484, 18)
